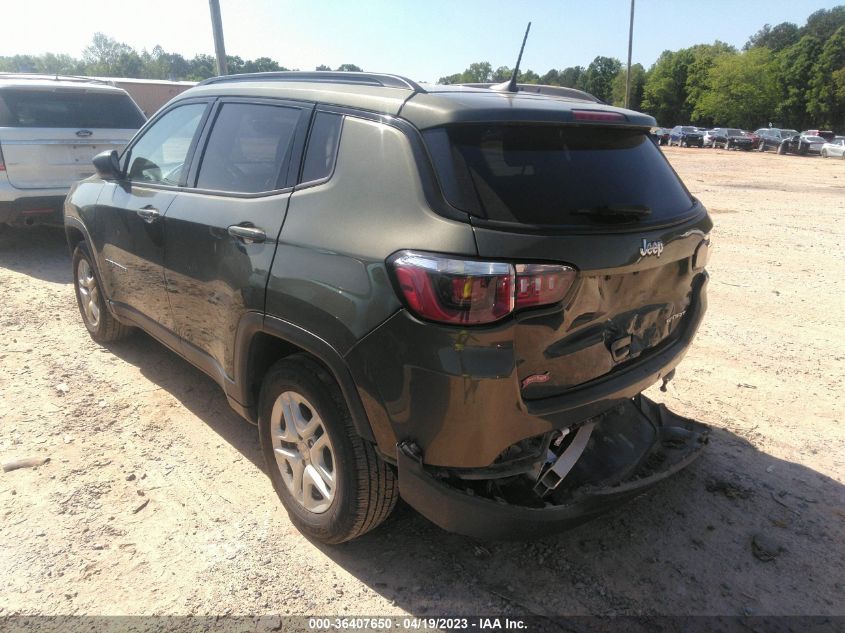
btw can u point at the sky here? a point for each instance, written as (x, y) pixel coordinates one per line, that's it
(421, 39)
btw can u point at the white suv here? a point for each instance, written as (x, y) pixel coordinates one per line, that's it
(50, 129)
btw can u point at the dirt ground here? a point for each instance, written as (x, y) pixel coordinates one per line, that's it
(155, 500)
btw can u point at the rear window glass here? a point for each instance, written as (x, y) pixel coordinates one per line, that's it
(555, 175)
(71, 108)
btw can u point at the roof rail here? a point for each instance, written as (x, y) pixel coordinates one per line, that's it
(55, 77)
(553, 91)
(320, 76)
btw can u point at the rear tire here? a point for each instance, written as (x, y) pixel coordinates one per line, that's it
(781, 149)
(300, 408)
(824, 153)
(99, 322)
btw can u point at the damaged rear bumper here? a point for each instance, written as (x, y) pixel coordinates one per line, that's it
(631, 448)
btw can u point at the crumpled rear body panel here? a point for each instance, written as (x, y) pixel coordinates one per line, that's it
(632, 448)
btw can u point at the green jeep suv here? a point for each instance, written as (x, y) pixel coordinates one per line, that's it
(450, 294)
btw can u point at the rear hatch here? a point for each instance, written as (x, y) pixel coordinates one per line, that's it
(49, 135)
(602, 199)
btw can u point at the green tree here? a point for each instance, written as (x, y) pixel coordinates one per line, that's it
(698, 72)
(528, 77)
(824, 101)
(323, 67)
(551, 78)
(572, 77)
(775, 38)
(109, 58)
(598, 78)
(665, 90)
(349, 68)
(617, 96)
(262, 65)
(742, 90)
(202, 66)
(795, 67)
(824, 23)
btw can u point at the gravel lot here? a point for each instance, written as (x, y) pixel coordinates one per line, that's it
(155, 501)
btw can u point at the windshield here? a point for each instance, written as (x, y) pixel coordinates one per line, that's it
(554, 175)
(688, 129)
(68, 108)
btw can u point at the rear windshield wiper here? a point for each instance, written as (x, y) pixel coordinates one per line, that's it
(615, 211)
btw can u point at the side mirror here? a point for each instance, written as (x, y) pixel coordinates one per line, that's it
(108, 165)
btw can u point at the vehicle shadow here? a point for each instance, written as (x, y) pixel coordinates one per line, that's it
(39, 252)
(739, 532)
(196, 391)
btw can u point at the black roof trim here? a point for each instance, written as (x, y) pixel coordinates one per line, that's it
(362, 79)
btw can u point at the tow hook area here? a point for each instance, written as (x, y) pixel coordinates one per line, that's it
(572, 476)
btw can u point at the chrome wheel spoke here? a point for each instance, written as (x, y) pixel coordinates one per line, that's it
(312, 482)
(324, 466)
(303, 451)
(291, 465)
(281, 430)
(89, 294)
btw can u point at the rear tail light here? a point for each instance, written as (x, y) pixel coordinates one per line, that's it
(469, 292)
(542, 284)
(2, 162)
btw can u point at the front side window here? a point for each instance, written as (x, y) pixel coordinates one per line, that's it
(159, 155)
(249, 148)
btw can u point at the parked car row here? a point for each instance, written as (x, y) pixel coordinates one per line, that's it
(783, 141)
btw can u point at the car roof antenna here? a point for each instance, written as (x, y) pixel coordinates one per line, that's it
(510, 85)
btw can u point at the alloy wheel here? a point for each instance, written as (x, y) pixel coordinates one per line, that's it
(89, 293)
(304, 453)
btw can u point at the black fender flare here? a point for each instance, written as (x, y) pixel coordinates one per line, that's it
(254, 323)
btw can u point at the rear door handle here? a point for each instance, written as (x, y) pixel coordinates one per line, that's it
(249, 234)
(149, 214)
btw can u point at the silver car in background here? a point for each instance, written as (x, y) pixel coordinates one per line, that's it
(50, 129)
(834, 148)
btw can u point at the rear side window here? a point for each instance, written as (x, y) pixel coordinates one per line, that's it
(68, 108)
(249, 148)
(555, 175)
(322, 147)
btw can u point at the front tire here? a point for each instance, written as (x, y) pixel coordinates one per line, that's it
(331, 481)
(99, 322)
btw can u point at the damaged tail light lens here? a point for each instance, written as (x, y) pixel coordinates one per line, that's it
(454, 290)
(542, 284)
(469, 292)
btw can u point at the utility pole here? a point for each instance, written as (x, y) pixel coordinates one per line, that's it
(630, 43)
(217, 30)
